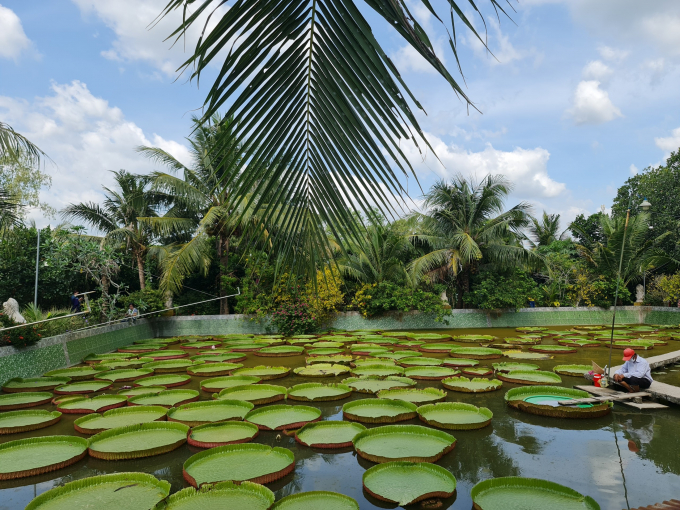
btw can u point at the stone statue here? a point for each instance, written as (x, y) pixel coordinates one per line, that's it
(444, 298)
(11, 309)
(639, 293)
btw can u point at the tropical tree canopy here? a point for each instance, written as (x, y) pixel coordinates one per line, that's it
(545, 231)
(312, 87)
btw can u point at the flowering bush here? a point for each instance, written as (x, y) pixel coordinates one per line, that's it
(18, 337)
(294, 318)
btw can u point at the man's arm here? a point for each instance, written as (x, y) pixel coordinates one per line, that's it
(623, 370)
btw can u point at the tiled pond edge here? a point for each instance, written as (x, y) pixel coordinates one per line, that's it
(69, 349)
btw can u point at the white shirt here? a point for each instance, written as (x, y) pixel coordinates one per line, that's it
(638, 368)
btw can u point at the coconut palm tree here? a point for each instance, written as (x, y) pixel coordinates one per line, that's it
(546, 230)
(118, 217)
(14, 145)
(311, 85)
(466, 226)
(10, 211)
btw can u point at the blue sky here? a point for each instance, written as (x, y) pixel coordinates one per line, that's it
(582, 94)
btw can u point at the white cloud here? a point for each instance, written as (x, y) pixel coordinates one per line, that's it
(634, 170)
(591, 104)
(499, 44)
(656, 69)
(597, 70)
(85, 137)
(13, 40)
(613, 54)
(526, 168)
(669, 143)
(408, 59)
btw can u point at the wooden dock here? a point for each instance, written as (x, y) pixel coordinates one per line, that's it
(660, 390)
(603, 394)
(673, 504)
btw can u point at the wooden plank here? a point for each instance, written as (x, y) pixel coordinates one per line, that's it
(609, 394)
(645, 405)
(614, 398)
(673, 504)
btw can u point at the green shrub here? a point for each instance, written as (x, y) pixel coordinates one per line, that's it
(18, 337)
(376, 298)
(146, 301)
(294, 318)
(492, 290)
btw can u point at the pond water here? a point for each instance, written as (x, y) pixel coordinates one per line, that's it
(627, 459)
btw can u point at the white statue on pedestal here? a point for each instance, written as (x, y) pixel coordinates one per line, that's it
(639, 293)
(11, 309)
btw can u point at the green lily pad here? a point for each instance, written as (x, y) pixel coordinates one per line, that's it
(579, 343)
(421, 361)
(543, 401)
(230, 357)
(415, 396)
(200, 345)
(142, 348)
(526, 355)
(375, 383)
(303, 336)
(263, 372)
(217, 384)
(121, 417)
(460, 362)
(328, 344)
(253, 462)
(531, 329)
(77, 373)
(12, 401)
(508, 366)
(166, 354)
(300, 341)
(113, 364)
(211, 411)
(429, 336)
(321, 370)
(82, 387)
(455, 416)
(474, 385)
(280, 351)
(516, 395)
(332, 359)
(475, 353)
(85, 405)
(137, 441)
(358, 350)
(411, 443)
(167, 380)
(430, 373)
(503, 493)
(530, 377)
(38, 455)
(396, 334)
(399, 355)
(553, 349)
(118, 491)
(249, 347)
(405, 483)
(213, 369)
(172, 365)
(280, 417)
(247, 495)
(522, 341)
(168, 398)
(141, 390)
(475, 338)
(374, 361)
(326, 351)
(575, 370)
(316, 499)
(409, 344)
(13, 422)
(379, 410)
(379, 370)
(124, 374)
(166, 341)
(438, 347)
(91, 359)
(317, 392)
(33, 384)
(328, 434)
(255, 393)
(212, 435)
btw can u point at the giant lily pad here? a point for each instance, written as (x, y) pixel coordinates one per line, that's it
(328, 434)
(530, 377)
(475, 353)
(23, 400)
(211, 411)
(476, 371)
(124, 374)
(141, 390)
(522, 341)
(96, 404)
(246, 495)
(230, 357)
(326, 351)
(321, 370)
(429, 337)
(327, 344)
(570, 342)
(405, 483)
(438, 347)
(167, 380)
(379, 410)
(118, 491)
(33, 384)
(526, 355)
(255, 393)
(359, 350)
(217, 384)
(455, 416)
(331, 359)
(543, 401)
(316, 499)
(172, 365)
(300, 341)
(213, 369)
(82, 387)
(396, 334)
(113, 364)
(399, 355)
(553, 349)
(379, 370)
(122, 417)
(212, 435)
(476, 385)
(252, 462)
(166, 354)
(263, 372)
(14, 422)
(373, 361)
(280, 351)
(420, 361)
(317, 392)
(200, 345)
(633, 344)
(531, 329)
(38, 455)
(137, 441)
(508, 366)
(92, 359)
(506, 492)
(475, 338)
(430, 373)
(460, 362)
(415, 396)
(249, 347)
(409, 344)
(142, 348)
(280, 417)
(575, 370)
(168, 398)
(78, 373)
(375, 383)
(412, 443)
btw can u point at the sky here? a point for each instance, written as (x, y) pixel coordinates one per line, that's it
(577, 96)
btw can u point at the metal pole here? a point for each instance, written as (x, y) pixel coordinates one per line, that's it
(37, 262)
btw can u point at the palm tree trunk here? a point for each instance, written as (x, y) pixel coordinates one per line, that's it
(140, 270)
(463, 286)
(223, 254)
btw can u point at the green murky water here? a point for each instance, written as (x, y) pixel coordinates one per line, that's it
(586, 455)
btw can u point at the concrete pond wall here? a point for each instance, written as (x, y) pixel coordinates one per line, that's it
(70, 348)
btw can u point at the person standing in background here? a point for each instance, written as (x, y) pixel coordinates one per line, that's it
(75, 302)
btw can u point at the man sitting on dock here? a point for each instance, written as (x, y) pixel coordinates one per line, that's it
(635, 373)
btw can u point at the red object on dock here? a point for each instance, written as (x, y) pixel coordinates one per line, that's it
(596, 380)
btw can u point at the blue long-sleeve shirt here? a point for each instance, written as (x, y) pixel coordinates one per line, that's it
(638, 368)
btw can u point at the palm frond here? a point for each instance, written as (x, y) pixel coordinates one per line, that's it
(13, 145)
